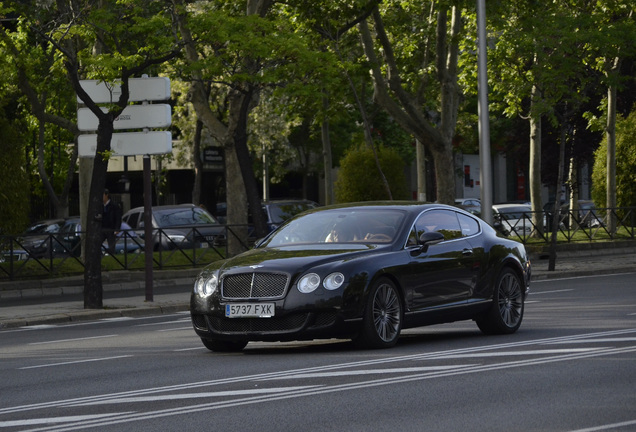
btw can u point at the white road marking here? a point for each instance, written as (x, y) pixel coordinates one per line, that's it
(165, 323)
(71, 340)
(520, 353)
(74, 362)
(580, 277)
(50, 420)
(229, 393)
(601, 340)
(371, 372)
(413, 375)
(269, 398)
(534, 293)
(39, 327)
(607, 427)
(189, 328)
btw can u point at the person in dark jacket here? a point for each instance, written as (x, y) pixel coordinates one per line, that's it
(111, 221)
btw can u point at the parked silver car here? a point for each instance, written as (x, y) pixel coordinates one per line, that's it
(513, 219)
(182, 226)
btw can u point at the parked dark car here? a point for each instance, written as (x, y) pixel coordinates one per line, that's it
(37, 239)
(363, 271)
(471, 205)
(586, 216)
(182, 226)
(276, 211)
(279, 211)
(69, 240)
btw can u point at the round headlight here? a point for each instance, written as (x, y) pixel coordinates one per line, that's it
(206, 286)
(308, 283)
(334, 281)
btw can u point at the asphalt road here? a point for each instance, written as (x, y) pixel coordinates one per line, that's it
(571, 367)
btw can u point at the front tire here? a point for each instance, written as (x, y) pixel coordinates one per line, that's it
(382, 321)
(223, 346)
(506, 313)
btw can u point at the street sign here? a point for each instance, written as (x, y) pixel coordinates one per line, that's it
(129, 143)
(132, 117)
(140, 89)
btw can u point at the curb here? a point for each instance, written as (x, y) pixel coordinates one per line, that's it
(556, 274)
(111, 282)
(96, 314)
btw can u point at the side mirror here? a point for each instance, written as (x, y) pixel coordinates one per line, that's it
(428, 239)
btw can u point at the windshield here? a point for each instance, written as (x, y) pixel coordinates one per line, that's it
(44, 228)
(340, 226)
(183, 216)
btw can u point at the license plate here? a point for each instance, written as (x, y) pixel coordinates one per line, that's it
(249, 310)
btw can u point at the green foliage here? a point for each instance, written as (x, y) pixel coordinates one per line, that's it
(359, 179)
(625, 165)
(14, 198)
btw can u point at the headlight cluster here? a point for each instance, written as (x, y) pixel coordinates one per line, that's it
(311, 281)
(177, 238)
(205, 286)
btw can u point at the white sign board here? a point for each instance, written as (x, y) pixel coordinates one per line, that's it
(140, 89)
(132, 117)
(129, 143)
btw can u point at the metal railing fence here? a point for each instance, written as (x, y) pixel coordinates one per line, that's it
(582, 225)
(59, 254)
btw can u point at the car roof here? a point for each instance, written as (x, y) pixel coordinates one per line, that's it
(510, 205)
(410, 206)
(290, 201)
(164, 207)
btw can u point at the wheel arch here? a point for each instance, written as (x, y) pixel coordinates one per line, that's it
(396, 281)
(513, 263)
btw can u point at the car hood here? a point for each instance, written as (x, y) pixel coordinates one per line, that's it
(33, 240)
(292, 259)
(188, 229)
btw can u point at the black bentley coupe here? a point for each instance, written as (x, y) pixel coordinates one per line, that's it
(363, 271)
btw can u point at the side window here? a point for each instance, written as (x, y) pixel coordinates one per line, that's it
(133, 219)
(442, 221)
(468, 225)
(412, 241)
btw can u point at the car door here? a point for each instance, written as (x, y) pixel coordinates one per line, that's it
(443, 273)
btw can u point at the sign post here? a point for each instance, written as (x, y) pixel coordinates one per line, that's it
(135, 120)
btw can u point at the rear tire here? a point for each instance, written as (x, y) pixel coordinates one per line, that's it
(382, 321)
(506, 313)
(223, 346)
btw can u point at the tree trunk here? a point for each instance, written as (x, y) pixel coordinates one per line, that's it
(239, 111)
(198, 164)
(236, 198)
(557, 198)
(407, 109)
(445, 162)
(535, 166)
(93, 290)
(326, 152)
(611, 152)
(421, 170)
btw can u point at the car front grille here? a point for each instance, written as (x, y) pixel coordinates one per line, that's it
(254, 285)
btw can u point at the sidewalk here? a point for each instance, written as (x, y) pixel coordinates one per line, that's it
(30, 303)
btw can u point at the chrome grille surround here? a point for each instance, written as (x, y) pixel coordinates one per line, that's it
(244, 286)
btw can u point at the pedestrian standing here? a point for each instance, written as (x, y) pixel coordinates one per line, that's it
(111, 222)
